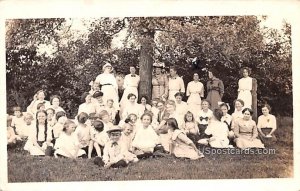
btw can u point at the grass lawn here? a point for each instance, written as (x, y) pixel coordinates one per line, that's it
(24, 168)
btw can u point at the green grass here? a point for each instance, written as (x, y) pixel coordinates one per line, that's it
(25, 168)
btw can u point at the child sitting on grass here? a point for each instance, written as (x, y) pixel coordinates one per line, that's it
(83, 133)
(190, 127)
(127, 135)
(111, 110)
(28, 118)
(145, 138)
(98, 136)
(67, 145)
(180, 145)
(11, 136)
(115, 154)
(104, 116)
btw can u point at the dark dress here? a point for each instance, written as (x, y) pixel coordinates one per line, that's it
(215, 89)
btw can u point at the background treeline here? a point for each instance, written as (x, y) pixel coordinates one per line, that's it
(224, 43)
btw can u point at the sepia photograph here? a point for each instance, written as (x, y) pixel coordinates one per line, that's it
(154, 97)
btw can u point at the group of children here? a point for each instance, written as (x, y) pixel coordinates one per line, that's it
(145, 130)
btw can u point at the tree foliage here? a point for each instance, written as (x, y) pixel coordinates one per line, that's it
(224, 43)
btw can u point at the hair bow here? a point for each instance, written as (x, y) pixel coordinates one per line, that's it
(227, 104)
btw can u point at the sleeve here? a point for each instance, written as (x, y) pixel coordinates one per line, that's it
(58, 142)
(98, 79)
(254, 132)
(221, 86)
(202, 91)
(182, 88)
(259, 123)
(114, 82)
(236, 129)
(125, 85)
(274, 123)
(188, 92)
(184, 138)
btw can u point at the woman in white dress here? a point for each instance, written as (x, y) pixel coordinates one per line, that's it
(87, 106)
(245, 88)
(108, 84)
(131, 83)
(195, 91)
(39, 97)
(55, 101)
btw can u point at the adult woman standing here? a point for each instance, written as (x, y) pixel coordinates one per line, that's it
(160, 84)
(215, 90)
(245, 131)
(108, 84)
(195, 91)
(247, 87)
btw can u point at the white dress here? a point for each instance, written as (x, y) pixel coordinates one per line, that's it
(176, 84)
(145, 139)
(245, 87)
(109, 88)
(83, 134)
(194, 90)
(69, 143)
(87, 108)
(131, 84)
(219, 131)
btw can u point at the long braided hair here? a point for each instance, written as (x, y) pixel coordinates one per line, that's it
(37, 124)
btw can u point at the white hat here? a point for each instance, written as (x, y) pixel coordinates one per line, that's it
(106, 65)
(158, 65)
(114, 128)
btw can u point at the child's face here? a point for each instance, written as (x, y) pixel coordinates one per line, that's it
(55, 102)
(245, 73)
(42, 108)
(204, 105)
(28, 120)
(71, 128)
(17, 113)
(105, 118)
(224, 110)
(128, 129)
(178, 99)
(146, 120)
(154, 103)
(265, 111)
(96, 87)
(100, 99)
(160, 106)
(189, 117)
(115, 136)
(133, 118)
(110, 104)
(238, 106)
(170, 108)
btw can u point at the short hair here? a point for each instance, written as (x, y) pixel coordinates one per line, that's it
(147, 114)
(205, 100)
(16, 108)
(179, 94)
(53, 110)
(239, 100)
(218, 114)
(38, 107)
(92, 115)
(245, 68)
(67, 124)
(98, 125)
(59, 114)
(82, 117)
(54, 96)
(28, 115)
(130, 95)
(84, 95)
(267, 106)
(102, 113)
(97, 94)
(247, 109)
(172, 123)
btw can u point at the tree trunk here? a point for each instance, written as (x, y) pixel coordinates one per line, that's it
(145, 64)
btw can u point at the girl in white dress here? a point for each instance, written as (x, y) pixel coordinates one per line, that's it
(144, 106)
(203, 118)
(131, 83)
(245, 87)
(238, 114)
(145, 138)
(39, 97)
(190, 127)
(195, 91)
(83, 133)
(226, 118)
(108, 84)
(131, 107)
(98, 136)
(180, 145)
(40, 137)
(18, 122)
(67, 144)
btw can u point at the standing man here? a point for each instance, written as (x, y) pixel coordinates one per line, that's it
(176, 84)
